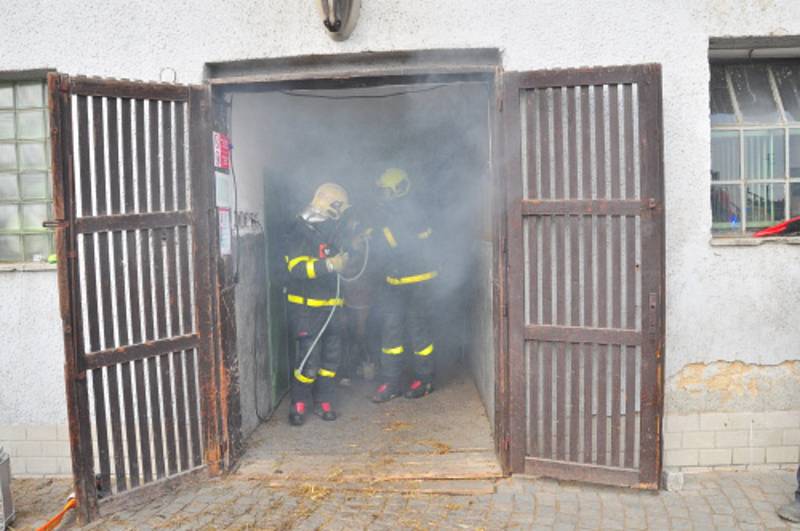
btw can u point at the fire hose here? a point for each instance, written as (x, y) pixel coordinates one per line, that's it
(56, 520)
(339, 279)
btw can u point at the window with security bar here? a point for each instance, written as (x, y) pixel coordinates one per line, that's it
(755, 145)
(25, 196)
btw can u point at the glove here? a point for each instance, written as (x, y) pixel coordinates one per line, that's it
(336, 263)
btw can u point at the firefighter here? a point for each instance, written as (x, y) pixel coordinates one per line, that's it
(314, 259)
(406, 246)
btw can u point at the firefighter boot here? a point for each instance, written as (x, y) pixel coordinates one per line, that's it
(385, 392)
(325, 410)
(297, 415)
(419, 388)
(790, 512)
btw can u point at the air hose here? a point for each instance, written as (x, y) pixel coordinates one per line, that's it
(339, 279)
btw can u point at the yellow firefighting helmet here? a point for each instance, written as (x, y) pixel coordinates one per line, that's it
(330, 201)
(394, 183)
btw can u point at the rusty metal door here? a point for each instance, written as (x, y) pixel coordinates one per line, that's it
(131, 200)
(586, 273)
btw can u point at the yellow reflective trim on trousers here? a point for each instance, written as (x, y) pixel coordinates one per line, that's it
(310, 270)
(426, 351)
(314, 303)
(394, 351)
(290, 264)
(389, 237)
(326, 373)
(425, 235)
(302, 378)
(412, 279)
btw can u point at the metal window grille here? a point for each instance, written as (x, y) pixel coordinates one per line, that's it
(755, 145)
(25, 195)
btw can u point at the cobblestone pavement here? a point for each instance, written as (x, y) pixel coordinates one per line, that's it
(731, 500)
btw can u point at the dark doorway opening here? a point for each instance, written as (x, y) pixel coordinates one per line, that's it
(287, 140)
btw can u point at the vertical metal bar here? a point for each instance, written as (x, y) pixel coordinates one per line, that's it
(561, 269)
(534, 388)
(95, 300)
(133, 283)
(630, 405)
(575, 401)
(616, 391)
(588, 393)
(172, 284)
(64, 199)
(115, 182)
(186, 285)
(558, 147)
(177, 357)
(547, 271)
(201, 196)
(548, 350)
(164, 360)
(147, 294)
(602, 408)
(561, 402)
(652, 252)
(544, 137)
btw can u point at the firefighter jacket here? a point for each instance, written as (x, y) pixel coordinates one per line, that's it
(309, 283)
(408, 244)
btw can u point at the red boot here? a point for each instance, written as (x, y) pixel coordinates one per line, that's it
(325, 410)
(297, 416)
(386, 392)
(418, 389)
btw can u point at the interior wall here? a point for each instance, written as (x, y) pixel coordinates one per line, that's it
(439, 135)
(251, 331)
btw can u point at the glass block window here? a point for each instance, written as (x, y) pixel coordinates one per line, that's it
(755, 145)
(25, 197)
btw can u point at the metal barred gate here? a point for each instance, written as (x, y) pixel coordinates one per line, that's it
(586, 273)
(132, 234)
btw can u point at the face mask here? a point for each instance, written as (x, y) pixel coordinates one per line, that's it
(312, 216)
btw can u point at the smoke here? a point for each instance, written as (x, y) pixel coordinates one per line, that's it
(288, 143)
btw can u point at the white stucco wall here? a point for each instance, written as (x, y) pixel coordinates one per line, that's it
(722, 303)
(31, 350)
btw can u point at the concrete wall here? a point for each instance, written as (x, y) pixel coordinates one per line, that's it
(723, 304)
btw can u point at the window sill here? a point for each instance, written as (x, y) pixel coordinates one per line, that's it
(749, 241)
(26, 266)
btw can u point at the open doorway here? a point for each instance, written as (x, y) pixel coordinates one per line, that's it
(288, 141)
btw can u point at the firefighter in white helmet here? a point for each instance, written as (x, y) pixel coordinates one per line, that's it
(407, 247)
(314, 257)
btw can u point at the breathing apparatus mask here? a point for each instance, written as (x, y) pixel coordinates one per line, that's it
(327, 209)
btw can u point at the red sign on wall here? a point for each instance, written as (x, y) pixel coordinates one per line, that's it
(222, 151)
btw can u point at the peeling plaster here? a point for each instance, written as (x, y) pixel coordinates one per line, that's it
(734, 386)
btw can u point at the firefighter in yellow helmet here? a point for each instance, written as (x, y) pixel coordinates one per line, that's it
(314, 257)
(406, 246)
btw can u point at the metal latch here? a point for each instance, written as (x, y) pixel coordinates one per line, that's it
(653, 312)
(54, 223)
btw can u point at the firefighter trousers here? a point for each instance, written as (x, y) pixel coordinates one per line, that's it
(407, 319)
(319, 372)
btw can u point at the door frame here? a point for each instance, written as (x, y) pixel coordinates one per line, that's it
(374, 69)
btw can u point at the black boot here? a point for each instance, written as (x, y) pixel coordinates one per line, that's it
(790, 512)
(419, 388)
(386, 392)
(297, 416)
(325, 410)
